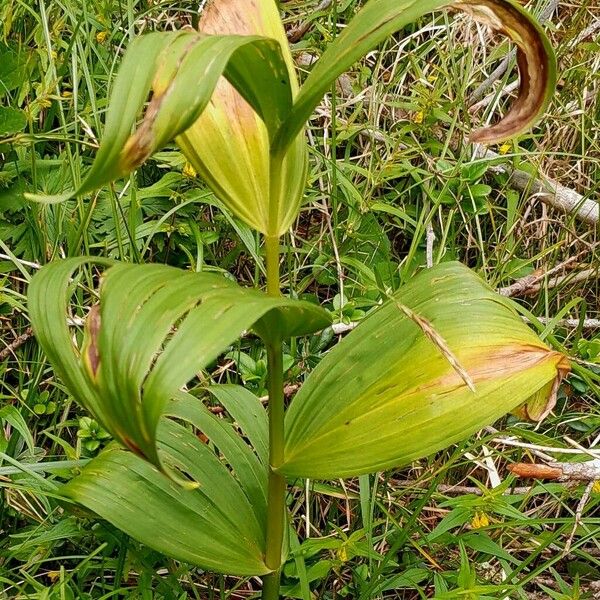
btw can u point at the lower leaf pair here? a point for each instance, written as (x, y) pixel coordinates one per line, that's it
(442, 358)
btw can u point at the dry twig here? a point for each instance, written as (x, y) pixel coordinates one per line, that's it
(15, 344)
(547, 190)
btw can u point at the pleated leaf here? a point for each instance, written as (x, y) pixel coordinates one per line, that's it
(218, 525)
(154, 329)
(181, 70)
(444, 357)
(229, 145)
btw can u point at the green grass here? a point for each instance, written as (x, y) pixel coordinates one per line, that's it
(389, 162)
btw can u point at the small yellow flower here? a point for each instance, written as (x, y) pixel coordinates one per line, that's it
(101, 36)
(480, 520)
(418, 117)
(342, 554)
(189, 171)
(596, 488)
(504, 148)
(67, 94)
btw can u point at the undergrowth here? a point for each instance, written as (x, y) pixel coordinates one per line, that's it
(394, 186)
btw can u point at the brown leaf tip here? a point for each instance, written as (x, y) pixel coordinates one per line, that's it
(535, 471)
(91, 354)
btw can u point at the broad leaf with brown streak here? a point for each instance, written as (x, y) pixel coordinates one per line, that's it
(229, 144)
(155, 329)
(388, 393)
(181, 69)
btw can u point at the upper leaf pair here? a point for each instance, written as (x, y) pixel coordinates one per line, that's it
(244, 133)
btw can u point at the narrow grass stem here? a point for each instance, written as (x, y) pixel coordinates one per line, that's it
(276, 485)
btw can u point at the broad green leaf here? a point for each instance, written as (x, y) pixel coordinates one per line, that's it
(12, 120)
(381, 18)
(218, 525)
(444, 357)
(181, 69)
(13, 61)
(247, 411)
(154, 330)
(248, 467)
(230, 139)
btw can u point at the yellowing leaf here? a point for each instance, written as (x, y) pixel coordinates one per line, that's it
(391, 392)
(229, 144)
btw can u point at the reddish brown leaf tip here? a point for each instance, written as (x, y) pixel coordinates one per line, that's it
(92, 331)
(534, 471)
(535, 59)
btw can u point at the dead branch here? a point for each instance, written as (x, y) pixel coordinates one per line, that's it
(558, 471)
(547, 190)
(342, 328)
(15, 344)
(532, 284)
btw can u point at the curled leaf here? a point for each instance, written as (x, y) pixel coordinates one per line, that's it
(535, 59)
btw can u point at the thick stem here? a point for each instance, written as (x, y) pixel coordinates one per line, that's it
(272, 253)
(276, 486)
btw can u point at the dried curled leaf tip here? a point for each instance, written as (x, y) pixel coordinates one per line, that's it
(540, 405)
(535, 59)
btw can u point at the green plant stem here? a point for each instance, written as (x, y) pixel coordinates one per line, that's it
(272, 252)
(276, 486)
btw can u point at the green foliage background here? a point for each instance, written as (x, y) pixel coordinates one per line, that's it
(388, 165)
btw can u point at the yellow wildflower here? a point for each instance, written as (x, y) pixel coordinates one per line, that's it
(101, 36)
(189, 171)
(504, 148)
(418, 117)
(480, 520)
(342, 553)
(596, 488)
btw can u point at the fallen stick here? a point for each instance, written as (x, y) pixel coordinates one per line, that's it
(15, 344)
(532, 284)
(547, 190)
(342, 328)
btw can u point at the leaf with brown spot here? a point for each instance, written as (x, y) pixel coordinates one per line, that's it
(90, 353)
(382, 398)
